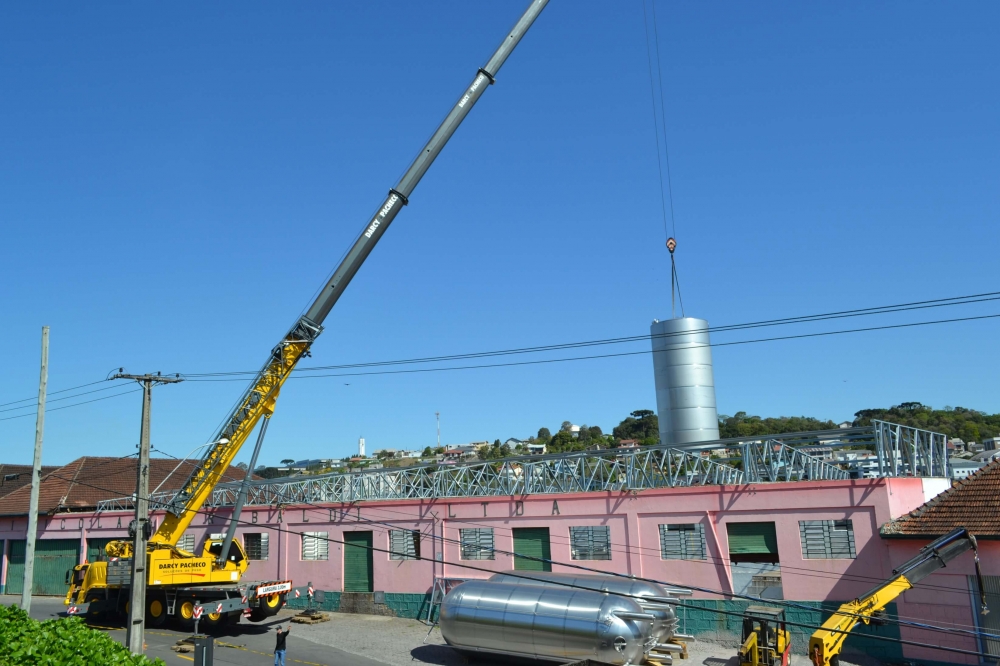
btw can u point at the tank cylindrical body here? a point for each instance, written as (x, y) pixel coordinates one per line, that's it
(548, 623)
(665, 624)
(685, 385)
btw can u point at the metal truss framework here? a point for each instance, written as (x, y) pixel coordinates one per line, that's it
(901, 451)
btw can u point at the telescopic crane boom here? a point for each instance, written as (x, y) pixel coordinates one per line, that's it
(826, 644)
(259, 399)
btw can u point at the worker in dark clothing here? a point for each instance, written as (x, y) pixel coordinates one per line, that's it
(279, 646)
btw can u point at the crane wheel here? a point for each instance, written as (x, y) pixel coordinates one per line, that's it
(273, 604)
(185, 613)
(213, 620)
(94, 615)
(156, 612)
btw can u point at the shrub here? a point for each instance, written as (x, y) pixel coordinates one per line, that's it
(66, 642)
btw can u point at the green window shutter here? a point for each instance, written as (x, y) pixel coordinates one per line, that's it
(358, 563)
(532, 542)
(752, 539)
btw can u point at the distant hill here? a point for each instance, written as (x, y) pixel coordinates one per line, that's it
(969, 424)
(745, 425)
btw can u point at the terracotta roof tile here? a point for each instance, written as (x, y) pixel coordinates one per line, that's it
(13, 477)
(973, 503)
(81, 484)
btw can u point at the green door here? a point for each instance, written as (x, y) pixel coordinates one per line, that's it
(532, 542)
(752, 542)
(358, 562)
(15, 567)
(53, 558)
(95, 550)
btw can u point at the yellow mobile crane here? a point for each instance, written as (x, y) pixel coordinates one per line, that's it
(825, 645)
(177, 578)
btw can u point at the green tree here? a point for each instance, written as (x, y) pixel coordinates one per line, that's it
(969, 424)
(544, 435)
(287, 461)
(641, 425)
(427, 452)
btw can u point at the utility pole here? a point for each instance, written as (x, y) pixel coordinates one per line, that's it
(437, 415)
(140, 527)
(36, 478)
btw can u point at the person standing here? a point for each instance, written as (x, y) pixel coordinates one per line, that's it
(279, 646)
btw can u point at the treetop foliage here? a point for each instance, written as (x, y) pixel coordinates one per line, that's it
(744, 425)
(969, 425)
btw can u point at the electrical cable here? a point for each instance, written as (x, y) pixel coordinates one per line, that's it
(68, 397)
(886, 309)
(4, 404)
(575, 566)
(85, 402)
(619, 354)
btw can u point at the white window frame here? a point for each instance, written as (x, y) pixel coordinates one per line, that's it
(683, 541)
(315, 546)
(476, 543)
(590, 542)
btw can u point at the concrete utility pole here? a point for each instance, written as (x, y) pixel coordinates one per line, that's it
(437, 415)
(36, 478)
(135, 639)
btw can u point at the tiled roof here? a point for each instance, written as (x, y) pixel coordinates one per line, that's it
(13, 477)
(973, 503)
(81, 484)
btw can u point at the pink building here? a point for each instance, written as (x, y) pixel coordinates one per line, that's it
(815, 542)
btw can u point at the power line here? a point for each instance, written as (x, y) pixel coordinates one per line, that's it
(4, 404)
(460, 564)
(800, 336)
(885, 309)
(68, 397)
(85, 402)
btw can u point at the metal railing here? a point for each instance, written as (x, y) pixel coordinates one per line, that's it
(899, 450)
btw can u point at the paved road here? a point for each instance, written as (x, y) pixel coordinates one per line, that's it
(247, 644)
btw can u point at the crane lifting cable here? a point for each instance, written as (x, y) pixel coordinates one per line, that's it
(660, 124)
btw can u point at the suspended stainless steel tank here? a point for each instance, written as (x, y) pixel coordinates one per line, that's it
(654, 596)
(685, 385)
(548, 623)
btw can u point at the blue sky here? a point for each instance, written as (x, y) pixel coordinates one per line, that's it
(177, 181)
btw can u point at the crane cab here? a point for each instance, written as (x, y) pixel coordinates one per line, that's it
(766, 641)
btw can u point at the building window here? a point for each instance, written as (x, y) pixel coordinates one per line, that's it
(186, 542)
(683, 541)
(590, 543)
(827, 539)
(315, 546)
(477, 543)
(404, 544)
(255, 543)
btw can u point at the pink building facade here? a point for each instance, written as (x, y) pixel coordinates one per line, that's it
(716, 539)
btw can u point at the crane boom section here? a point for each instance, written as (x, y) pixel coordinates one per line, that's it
(825, 645)
(259, 399)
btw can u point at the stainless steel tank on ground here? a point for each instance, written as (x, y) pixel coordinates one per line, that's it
(655, 598)
(549, 623)
(685, 385)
